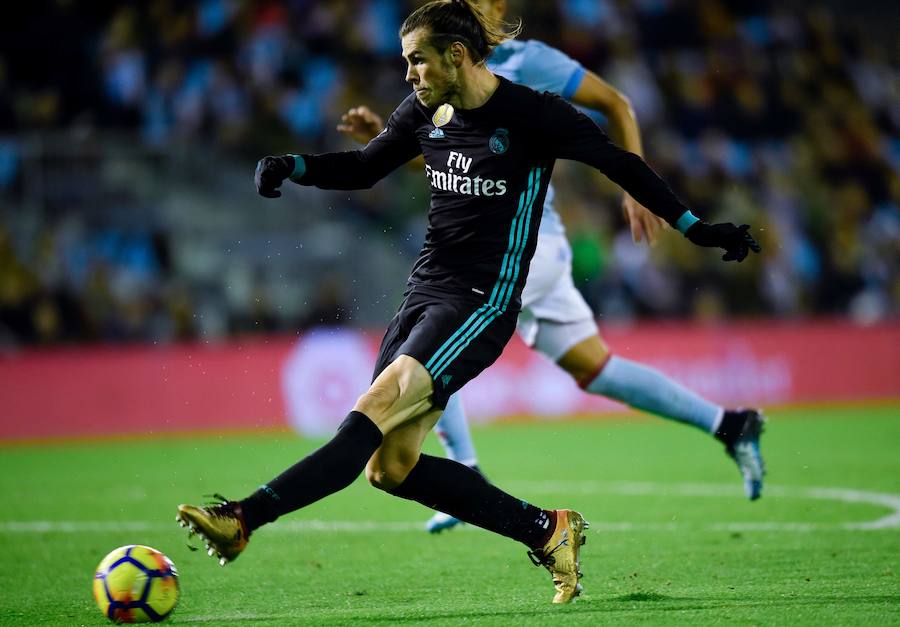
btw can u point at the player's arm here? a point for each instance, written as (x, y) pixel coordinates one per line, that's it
(595, 93)
(355, 169)
(569, 134)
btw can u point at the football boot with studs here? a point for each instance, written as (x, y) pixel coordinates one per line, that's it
(220, 524)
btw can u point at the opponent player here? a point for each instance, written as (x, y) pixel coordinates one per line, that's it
(489, 148)
(555, 320)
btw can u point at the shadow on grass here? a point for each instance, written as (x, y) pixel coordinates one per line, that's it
(641, 602)
(648, 596)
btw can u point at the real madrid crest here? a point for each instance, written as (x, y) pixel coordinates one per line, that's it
(499, 141)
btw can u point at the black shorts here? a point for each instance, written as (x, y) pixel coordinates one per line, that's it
(454, 338)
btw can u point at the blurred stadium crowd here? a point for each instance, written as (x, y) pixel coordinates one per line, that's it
(786, 118)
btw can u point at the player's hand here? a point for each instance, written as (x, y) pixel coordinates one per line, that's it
(644, 223)
(361, 123)
(270, 174)
(735, 240)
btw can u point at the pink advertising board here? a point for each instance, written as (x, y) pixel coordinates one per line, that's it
(311, 382)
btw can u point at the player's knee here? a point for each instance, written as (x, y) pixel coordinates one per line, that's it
(585, 376)
(388, 474)
(376, 477)
(585, 360)
(587, 371)
(381, 479)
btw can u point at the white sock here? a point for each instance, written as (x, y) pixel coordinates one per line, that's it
(453, 431)
(644, 388)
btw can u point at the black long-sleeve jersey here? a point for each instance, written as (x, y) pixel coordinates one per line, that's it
(488, 169)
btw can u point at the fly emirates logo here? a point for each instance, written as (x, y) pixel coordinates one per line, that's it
(456, 178)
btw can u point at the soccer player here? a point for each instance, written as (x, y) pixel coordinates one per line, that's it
(489, 148)
(555, 320)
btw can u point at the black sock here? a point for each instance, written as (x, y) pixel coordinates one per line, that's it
(325, 471)
(731, 427)
(456, 489)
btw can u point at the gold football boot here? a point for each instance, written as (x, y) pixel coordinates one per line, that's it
(560, 554)
(220, 524)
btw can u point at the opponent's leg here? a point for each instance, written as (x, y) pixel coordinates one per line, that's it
(740, 431)
(400, 393)
(596, 371)
(645, 388)
(452, 430)
(557, 321)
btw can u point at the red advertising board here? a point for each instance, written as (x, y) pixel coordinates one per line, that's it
(312, 382)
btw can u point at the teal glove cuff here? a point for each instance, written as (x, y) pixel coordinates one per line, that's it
(686, 221)
(299, 168)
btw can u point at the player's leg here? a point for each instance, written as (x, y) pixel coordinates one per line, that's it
(399, 467)
(400, 393)
(228, 525)
(453, 432)
(399, 452)
(554, 537)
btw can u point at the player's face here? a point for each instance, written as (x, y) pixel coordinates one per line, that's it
(432, 75)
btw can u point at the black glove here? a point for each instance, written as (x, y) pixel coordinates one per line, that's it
(270, 174)
(736, 241)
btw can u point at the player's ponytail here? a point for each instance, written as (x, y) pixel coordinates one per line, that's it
(462, 21)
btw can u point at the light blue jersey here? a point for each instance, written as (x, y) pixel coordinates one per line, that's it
(542, 68)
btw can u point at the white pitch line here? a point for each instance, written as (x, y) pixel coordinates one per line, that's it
(348, 526)
(892, 501)
(76, 526)
(635, 488)
(887, 500)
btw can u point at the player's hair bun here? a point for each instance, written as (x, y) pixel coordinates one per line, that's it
(463, 21)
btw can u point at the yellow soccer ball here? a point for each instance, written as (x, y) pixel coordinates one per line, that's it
(136, 584)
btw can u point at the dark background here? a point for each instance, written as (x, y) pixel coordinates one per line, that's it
(129, 132)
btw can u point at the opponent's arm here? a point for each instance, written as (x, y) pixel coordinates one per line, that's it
(569, 134)
(595, 93)
(355, 169)
(361, 124)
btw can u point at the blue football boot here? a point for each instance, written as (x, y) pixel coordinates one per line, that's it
(740, 431)
(441, 522)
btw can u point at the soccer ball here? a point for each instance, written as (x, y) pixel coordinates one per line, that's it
(136, 584)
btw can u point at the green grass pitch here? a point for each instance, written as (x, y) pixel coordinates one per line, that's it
(672, 540)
